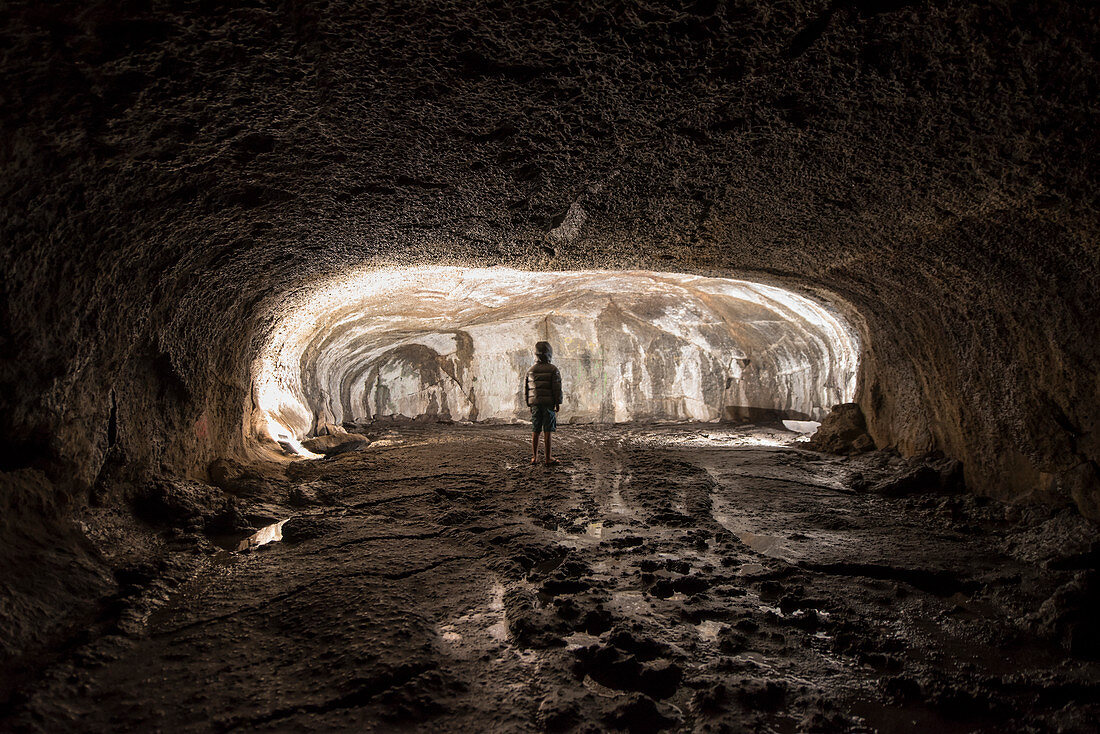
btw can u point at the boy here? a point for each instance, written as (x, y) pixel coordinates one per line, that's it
(542, 388)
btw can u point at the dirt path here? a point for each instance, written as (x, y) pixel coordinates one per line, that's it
(695, 579)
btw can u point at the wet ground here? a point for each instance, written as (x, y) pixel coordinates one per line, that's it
(696, 578)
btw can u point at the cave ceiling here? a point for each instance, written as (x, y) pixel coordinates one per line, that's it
(175, 171)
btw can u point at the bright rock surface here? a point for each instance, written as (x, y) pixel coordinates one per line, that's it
(456, 343)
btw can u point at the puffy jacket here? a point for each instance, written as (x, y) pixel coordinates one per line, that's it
(542, 385)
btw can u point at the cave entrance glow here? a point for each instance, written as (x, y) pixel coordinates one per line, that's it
(454, 343)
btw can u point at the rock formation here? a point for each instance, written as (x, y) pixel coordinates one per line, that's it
(455, 343)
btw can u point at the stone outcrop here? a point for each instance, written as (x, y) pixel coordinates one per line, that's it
(332, 444)
(843, 431)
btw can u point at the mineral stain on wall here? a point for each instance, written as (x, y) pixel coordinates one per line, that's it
(455, 343)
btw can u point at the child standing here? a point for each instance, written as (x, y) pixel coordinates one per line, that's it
(542, 388)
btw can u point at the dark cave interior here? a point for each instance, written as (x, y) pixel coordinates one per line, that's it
(273, 271)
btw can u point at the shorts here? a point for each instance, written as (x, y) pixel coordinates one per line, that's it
(543, 418)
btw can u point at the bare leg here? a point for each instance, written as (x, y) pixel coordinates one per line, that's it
(549, 459)
(535, 448)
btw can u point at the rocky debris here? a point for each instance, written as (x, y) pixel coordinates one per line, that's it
(190, 505)
(512, 616)
(302, 527)
(761, 694)
(710, 698)
(558, 712)
(252, 480)
(1071, 614)
(639, 714)
(933, 473)
(842, 431)
(332, 444)
(531, 624)
(1087, 558)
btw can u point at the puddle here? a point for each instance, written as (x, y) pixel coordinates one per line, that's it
(599, 689)
(617, 506)
(267, 534)
(591, 534)
(768, 545)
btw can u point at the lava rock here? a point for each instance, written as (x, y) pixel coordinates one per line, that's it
(336, 443)
(639, 714)
(761, 695)
(1070, 615)
(184, 504)
(843, 431)
(298, 529)
(926, 474)
(622, 671)
(557, 713)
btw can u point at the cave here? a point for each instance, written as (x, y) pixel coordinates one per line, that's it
(455, 343)
(821, 281)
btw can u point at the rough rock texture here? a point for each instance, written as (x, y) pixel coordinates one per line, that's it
(171, 176)
(688, 578)
(844, 431)
(336, 443)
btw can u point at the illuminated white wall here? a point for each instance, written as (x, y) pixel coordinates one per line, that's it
(631, 345)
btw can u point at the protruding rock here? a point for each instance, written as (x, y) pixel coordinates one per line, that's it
(639, 714)
(844, 431)
(926, 474)
(336, 443)
(1069, 615)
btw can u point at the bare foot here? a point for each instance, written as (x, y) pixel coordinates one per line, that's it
(551, 462)
(535, 460)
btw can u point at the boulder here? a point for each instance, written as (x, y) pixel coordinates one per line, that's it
(247, 480)
(1069, 615)
(190, 505)
(336, 443)
(931, 473)
(844, 431)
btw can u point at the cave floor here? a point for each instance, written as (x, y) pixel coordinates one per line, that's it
(696, 578)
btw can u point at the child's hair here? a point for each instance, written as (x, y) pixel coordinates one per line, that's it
(543, 351)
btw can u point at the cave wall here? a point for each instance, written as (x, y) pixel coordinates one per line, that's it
(456, 343)
(172, 172)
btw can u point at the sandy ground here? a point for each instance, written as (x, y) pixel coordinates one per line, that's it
(692, 578)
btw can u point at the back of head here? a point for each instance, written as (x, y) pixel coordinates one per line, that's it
(543, 351)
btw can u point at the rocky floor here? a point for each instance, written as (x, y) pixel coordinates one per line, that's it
(695, 578)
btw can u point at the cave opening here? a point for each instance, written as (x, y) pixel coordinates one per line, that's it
(452, 344)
